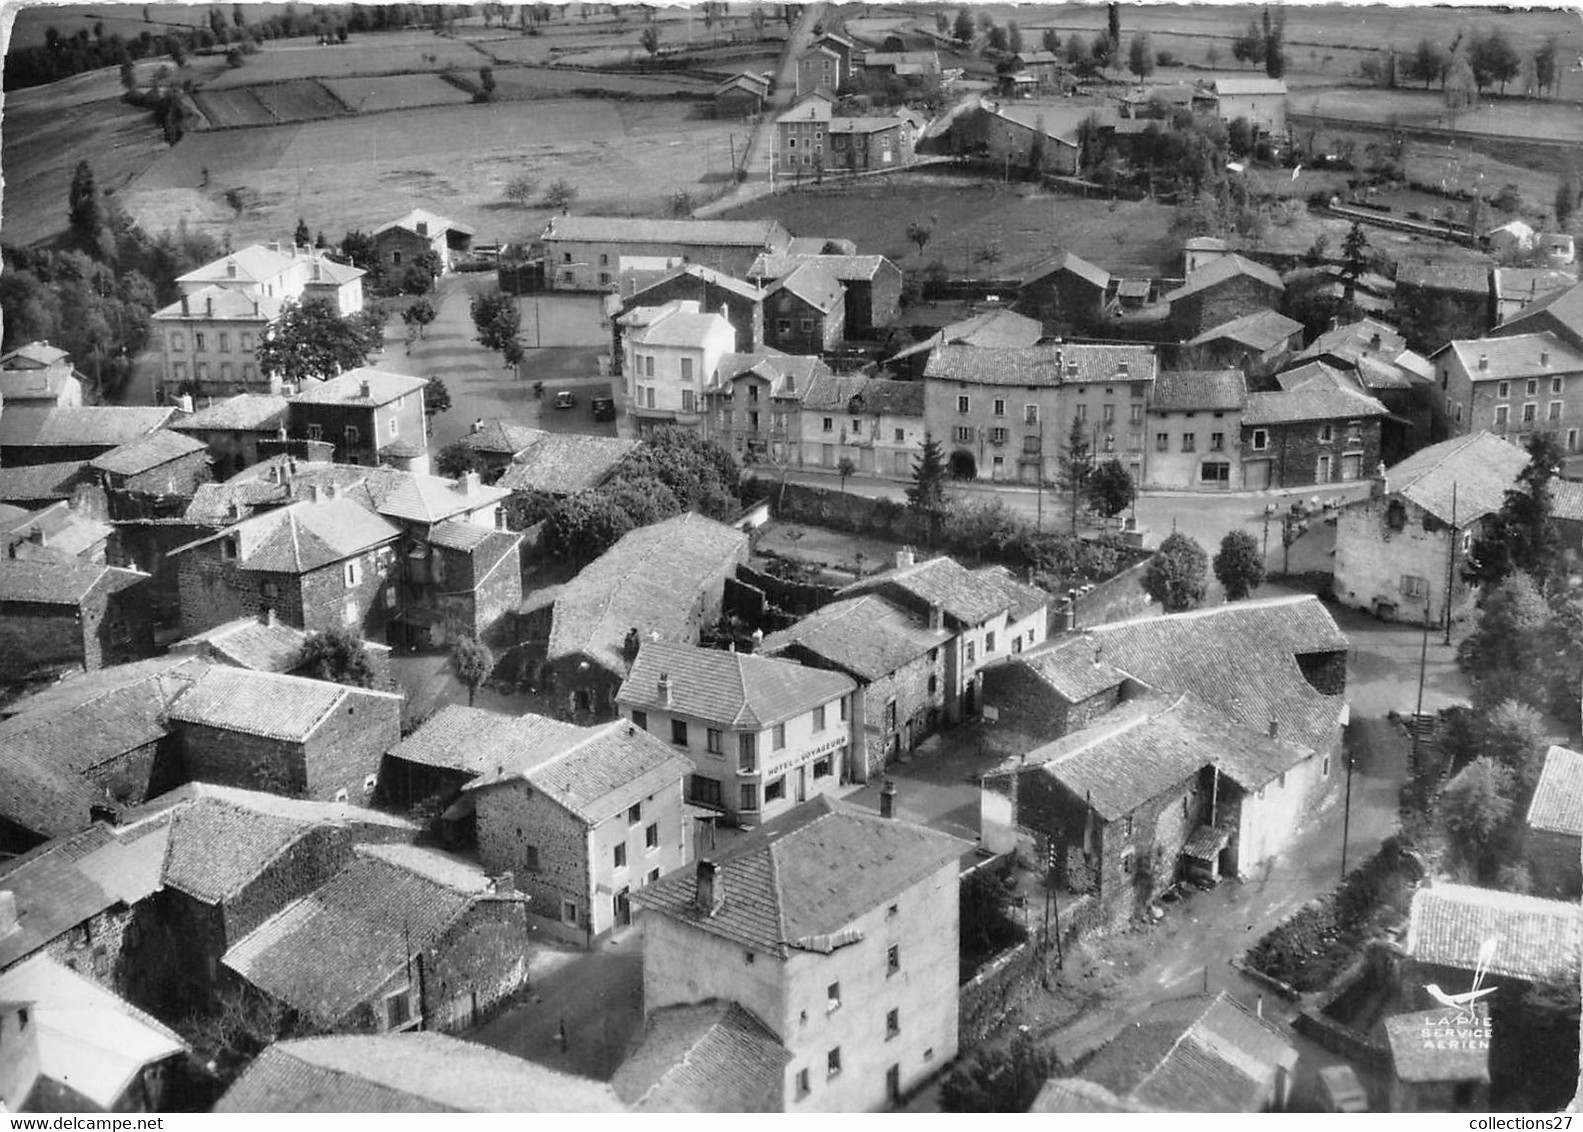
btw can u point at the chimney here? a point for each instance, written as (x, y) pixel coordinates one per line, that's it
(904, 557)
(478, 425)
(274, 245)
(37, 537)
(318, 271)
(236, 509)
(363, 390)
(665, 688)
(711, 889)
(1099, 654)
(268, 616)
(422, 227)
(1374, 342)
(887, 800)
(208, 306)
(316, 493)
(936, 618)
(1544, 357)
(8, 916)
(468, 483)
(1275, 728)
(1484, 361)
(186, 307)
(503, 884)
(332, 491)
(230, 269)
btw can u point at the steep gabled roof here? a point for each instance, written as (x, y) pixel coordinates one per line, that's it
(302, 537)
(1477, 469)
(432, 221)
(789, 886)
(869, 636)
(1261, 330)
(813, 284)
(712, 1056)
(963, 595)
(60, 582)
(1223, 269)
(1538, 939)
(218, 303)
(252, 264)
(737, 690)
(703, 274)
(1063, 260)
(1557, 805)
(41, 481)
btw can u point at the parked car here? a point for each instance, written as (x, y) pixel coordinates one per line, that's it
(565, 399)
(604, 408)
(1341, 1091)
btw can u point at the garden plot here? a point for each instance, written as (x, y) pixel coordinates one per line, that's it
(371, 94)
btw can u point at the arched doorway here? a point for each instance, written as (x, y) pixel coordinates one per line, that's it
(963, 466)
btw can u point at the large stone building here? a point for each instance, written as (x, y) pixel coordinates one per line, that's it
(875, 423)
(370, 415)
(401, 243)
(1322, 431)
(1195, 430)
(59, 613)
(587, 253)
(671, 356)
(1514, 386)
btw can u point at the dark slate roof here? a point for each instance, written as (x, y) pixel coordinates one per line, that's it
(303, 537)
(102, 426)
(63, 582)
(1480, 467)
(247, 642)
(1421, 1053)
(964, 596)
(650, 580)
(246, 412)
(566, 463)
(147, 453)
(1200, 1054)
(594, 772)
(869, 636)
(709, 1056)
(329, 952)
(789, 886)
(1200, 390)
(1450, 923)
(1239, 658)
(267, 704)
(1223, 269)
(735, 689)
(1557, 805)
(40, 481)
(1047, 365)
(410, 1072)
(475, 740)
(1261, 330)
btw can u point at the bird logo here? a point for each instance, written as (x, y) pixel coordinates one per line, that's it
(1487, 951)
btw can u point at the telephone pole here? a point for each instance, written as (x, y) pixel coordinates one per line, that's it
(1451, 564)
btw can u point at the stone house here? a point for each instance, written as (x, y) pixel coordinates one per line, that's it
(995, 327)
(1439, 1060)
(876, 423)
(38, 435)
(1513, 386)
(61, 613)
(402, 938)
(280, 271)
(1258, 343)
(1376, 358)
(287, 735)
(1553, 841)
(1051, 690)
(452, 747)
(898, 659)
(872, 286)
(1322, 431)
(864, 144)
(755, 407)
(584, 822)
(741, 303)
(672, 355)
(762, 734)
(800, 138)
(164, 467)
(1459, 297)
(588, 253)
(400, 242)
(562, 464)
(1063, 291)
(266, 644)
(371, 417)
(40, 485)
(805, 310)
(820, 69)
(320, 564)
(857, 980)
(39, 374)
(495, 444)
(233, 428)
(1260, 100)
(1227, 288)
(1005, 136)
(1397, 551)
(1195, 426)
(470, 581)
(665, 581)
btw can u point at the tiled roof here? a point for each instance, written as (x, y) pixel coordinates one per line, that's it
(1566, 500)
(735, 689)
(39, 796)
(1527, 284)
(1537, 939)
(1200, 1054)
(1354, 344)
(246, 412)
(705, 274)
(852, 392)
(992, 328)
(845, 268)
(247, 642)
(1073, 666)
(1560, 311)
(566, 463)
(595, 772)
(1244, 85)
(1479, 469)
(221, 303)
(72, 533)
(1221, 270)
(421, 498)
(1063, 260)
(869, 636)
(253, 264)
(814, 285)
(694, 233)
(147, 453)
(789, 886)
(103, 426)
(64, 582)
(1025, 599)
(435, 223)
(84, 1036)
(454, 534)
(963, 595)
(40, 481)
(832, 392)
(1220, 390)
(1315, 400)
(303, 537)
(475, 740)
(1421, 1053)
(1467, 278)
(1239, 658)
(505, 438)
(415, 1071)
(814, 108)
(1543, 354)
(1074, 1095)
(709, 1056)
(1048, 365)
(678, 325)
(650, 580)
(1557, 805)
(1261, 330)
(333, 950)
(267, 704)
(37, 353)
(347, 388)
(789, 375)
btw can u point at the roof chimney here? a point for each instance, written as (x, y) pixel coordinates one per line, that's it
(1484, 361)
(230, 269)
(318, 271)
(1275, 728)
(363, 389)
(208, 306)
(268, 615)
(936, 617)
(665, 688)
(904, 557)
(711, 888)
(315, 492)
(37, 537)
(331, 491)
(478, 425)
(1375, 341)
(1544, 357)
(467, 483)
(887, 800)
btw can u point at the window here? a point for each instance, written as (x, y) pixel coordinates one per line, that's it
(890, 715)
(747, 753)
(1109, 443)
(829, 424)
(1081, 412)
(179, 371)
(1531, 390)
(1572, 440)
(395, 426)
(963, 404)
(1217, 442)
(270, 590)
(1260, 440)
(1530, 413)
(818, 718)
(706, 791)
(893, 959)
(635, 813)
(778, 739)
(832, 997)
(1503, 390)
(964, 434)
(842, 702)
(1108, 413)
(687, 401)
(604, 259)
(1502, 413)
(857, 427)
(1414, 587)
(901, 436)
(1126, 862)
(1326, 433)
(802, 1083)
(748, 957)
(989, 643)
(648, 366)
(398, 1008)
(679, 732)
(621, 856)
(687, 369)
(775, 791)
(354, 435)
(654, 875)
(1136, 413)
(225, 371)
(651, 836)
(530, 858)
(1129, 825)
(568, 912)
(1324, 768)
(1555, 386)
(1162, 442)
(807, 326)
(197, 340)
(893, 911)
(821, 767)
(353, 572)
(971, 652)
(1000, 407)
(178, 343)
(832, 1063)
(783, 325)
(225, 344)
(1189, 442)
(1554, 413)
(1030, 414)
(892, 1024)
(997, 436)
(748, 798)
(713, 741)
(640, 719)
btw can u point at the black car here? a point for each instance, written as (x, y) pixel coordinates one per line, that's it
(604, 408)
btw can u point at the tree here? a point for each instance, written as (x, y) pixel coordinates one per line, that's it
(560, 194)
(1521, 536)
(1102, 53)
(963, 29)
(1249, 46)
(1212, 56)
(1473, 810)
(1077, 56)
(997, 39)
(680, 204)
(1051, 40)
(1546, 73)
(1427, 63)
(1177, 574)
(996, 1078)
(457, 459)
(650, 39)
(486, 81)
(926, 494)
(1459, 87)
(128, 74)
(1515, 736)
(1567, 194)
(1113, 22)
(1075, 465)
(1274, 50)
(845, 469)
(1502, 653)
(520, 190)
(920, 232)
(1493, 59)
(417, 316)
(1013, 37)
(436, 398)
(473, 662)
(1140, 55)
(339, 656)
(1239, 136)
(1238, 565)
(1353, 257)
(85, 215)
(498, 320)
(310, 340)
(1110, 489)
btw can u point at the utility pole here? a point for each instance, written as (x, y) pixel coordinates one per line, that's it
(1418, 710)
(1451, 564)
(1346, 814)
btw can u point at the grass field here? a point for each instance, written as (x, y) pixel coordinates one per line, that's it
(383, 53)
(1541, 118)
(525, 82)
(297, 100)
(372, 93)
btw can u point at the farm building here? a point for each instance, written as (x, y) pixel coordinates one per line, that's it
(1260, 100)
(399, 243)
(39, 374)
(741, 96)
(587, 253)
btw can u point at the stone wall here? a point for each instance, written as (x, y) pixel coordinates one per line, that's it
(252, 762)
(213, 591)
(1206, 309)
(38, 637)
(477, 966)
(344, 752)
(145, 772)
(180, 476)
(145, 547)
(1118, 598)
(1373, 556)
(1294, 452)
(513, 819)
